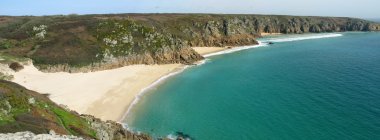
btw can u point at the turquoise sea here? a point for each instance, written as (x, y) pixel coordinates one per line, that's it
(302, 87)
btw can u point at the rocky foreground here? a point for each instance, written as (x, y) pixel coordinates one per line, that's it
(82, 43)
(31, 136)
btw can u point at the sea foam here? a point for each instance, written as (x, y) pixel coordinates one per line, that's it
(235, 49)
(171, 137)
(301, 37)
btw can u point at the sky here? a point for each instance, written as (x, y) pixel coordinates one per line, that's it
(342, 8)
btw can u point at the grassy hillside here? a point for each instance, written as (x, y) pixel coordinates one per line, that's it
(25, 110)
(88, 40)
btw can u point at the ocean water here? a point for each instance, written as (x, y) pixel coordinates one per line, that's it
(301, 87)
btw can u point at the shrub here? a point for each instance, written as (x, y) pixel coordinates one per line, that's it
(16, 66)
(5, 44)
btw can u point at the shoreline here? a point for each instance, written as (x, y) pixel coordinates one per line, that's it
(235, 49)
(213, 51)
(201, 50)
(209, 50)
(205, 52)
(270, 34)
(113, 99)
(152, 85)
(111, 94)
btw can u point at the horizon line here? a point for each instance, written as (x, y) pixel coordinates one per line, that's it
(178, 13)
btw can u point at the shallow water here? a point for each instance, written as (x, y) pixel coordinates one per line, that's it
(323, 88)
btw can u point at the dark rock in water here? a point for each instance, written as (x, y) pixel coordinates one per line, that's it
(180, 138)
(270, 43)
(16, 66)
(183, 136)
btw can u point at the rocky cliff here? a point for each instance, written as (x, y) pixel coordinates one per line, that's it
(95, 42)
(183, 55)
(25, 110)
(237, 30)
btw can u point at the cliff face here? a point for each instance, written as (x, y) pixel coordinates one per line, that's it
(237, 30)
(25, 110)
(183, 55)
(96, 42)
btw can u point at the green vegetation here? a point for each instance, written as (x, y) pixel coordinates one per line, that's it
(73, 123)
(51, 40)
(117, 37)
(6, 44)
(125, 37)
(82, 40)
(24, 110)
(5, 76)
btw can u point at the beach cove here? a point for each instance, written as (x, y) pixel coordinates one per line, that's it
(111, 94)
(105, 94)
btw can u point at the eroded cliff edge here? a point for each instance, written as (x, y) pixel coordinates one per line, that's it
(82, 43)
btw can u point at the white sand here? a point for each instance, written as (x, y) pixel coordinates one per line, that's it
(209, 50)
(266, 34)
(104, 94)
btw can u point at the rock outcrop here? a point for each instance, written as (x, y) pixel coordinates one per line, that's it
(110, 130)
(31, 136)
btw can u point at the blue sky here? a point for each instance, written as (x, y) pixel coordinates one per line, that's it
(350, 8)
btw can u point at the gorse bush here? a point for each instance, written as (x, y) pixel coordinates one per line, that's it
(5, 44)
(116, 37)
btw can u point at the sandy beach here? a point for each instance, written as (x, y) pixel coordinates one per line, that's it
(267, 34)
(208, 50)
(105, 94)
